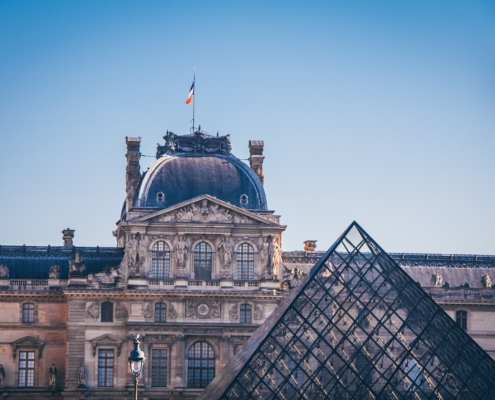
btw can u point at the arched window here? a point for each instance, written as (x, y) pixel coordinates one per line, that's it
(245, 261)
(202, 261)
(160, 312)
(201, 368)
(28, 312)
(245, 314)
(461, 319)
(107, 312)
(160, 260)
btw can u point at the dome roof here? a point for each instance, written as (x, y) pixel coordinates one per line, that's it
(178, 177)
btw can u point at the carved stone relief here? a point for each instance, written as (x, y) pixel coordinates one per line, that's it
(206, 211)
(54, 272)
(121, 311)
(4, 272)
(436, 279)
(205, 309)
(172, 312)
(109, 277)
(76, 264)
(93, 310)
(148, 310)
(291, 277)
(486, 281)
(234, 313)
(258, 313)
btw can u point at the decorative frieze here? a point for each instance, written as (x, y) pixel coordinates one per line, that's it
(204, 309)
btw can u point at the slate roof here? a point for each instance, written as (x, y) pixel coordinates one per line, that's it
(34, 262)
(183, 176)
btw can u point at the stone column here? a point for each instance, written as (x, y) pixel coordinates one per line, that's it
(179, 361)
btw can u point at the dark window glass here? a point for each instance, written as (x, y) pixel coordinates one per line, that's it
(26, 368)
(245, 261)
(245, 314)
(28, 312)
(201, 368)
(159, 367)
(202, 261)
(106, 312)
(160, 261)
(160, 312)
(105, 367)
(461, 319)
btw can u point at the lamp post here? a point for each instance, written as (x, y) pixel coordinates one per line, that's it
(136, 363)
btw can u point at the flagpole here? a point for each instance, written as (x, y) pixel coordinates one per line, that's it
(194, 94)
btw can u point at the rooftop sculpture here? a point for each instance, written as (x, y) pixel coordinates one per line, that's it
(197, 142)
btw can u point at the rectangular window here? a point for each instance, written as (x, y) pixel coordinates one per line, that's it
(26, 368)
(245, 314)
(159, 367)
(105, 367)
(28, 312)
(461, 318)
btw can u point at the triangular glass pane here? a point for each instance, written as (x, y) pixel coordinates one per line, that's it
(358, 327)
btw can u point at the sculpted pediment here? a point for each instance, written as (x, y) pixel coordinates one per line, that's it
(205, 209)
(106, 340)
(27, 342)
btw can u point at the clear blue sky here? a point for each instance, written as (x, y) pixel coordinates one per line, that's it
(376, 111)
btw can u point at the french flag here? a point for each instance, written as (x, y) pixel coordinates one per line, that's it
(190, 95)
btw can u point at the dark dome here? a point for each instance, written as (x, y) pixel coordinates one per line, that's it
(175, 178)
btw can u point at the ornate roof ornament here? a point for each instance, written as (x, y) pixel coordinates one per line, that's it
(198, 142)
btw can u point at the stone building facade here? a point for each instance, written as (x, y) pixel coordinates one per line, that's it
(197, 268)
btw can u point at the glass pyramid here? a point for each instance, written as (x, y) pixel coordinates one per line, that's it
(357, 327)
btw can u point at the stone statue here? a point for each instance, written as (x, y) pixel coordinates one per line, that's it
(181, 252)
(108, 277)
(486, 281)
(291, 277)
(225, 249)
(4, 272)
(81, 375)
(2, 375)
(54, 272)
(436, 279)
(76, 264)
(274, 258)
(52, 379)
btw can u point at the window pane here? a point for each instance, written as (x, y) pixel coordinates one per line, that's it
(26, 368)
(28, 312)
(105, 367)
(159, 367)
(202, 261)
(245, 261)
(245, 314)
(160, 312)
(107, 312)
(201, 368)
(160, 261)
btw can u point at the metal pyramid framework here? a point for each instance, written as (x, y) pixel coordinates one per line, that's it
(358, 327)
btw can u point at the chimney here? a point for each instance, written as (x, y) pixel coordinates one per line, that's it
(133, 170)
(68, 236)
(310, 245)
(256, 158)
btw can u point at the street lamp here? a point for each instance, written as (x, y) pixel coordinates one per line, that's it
(136, 363)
